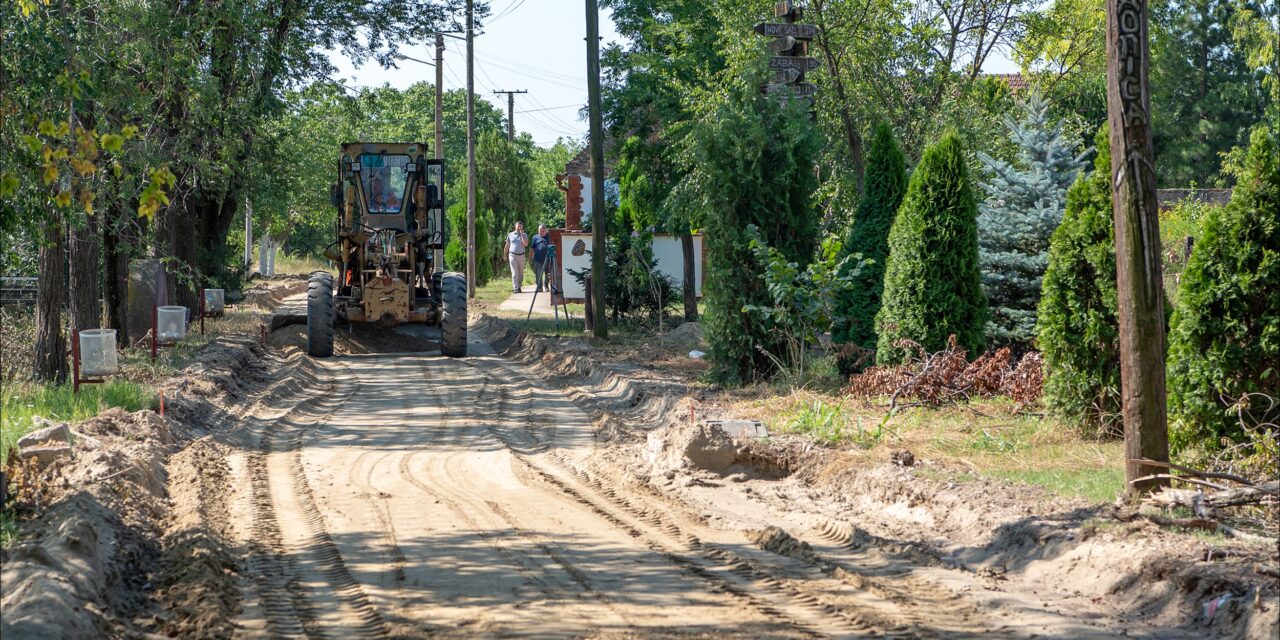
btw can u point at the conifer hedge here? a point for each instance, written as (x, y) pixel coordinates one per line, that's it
(932, 287)
(885, 184)
(1225, 333)
(1077, 322)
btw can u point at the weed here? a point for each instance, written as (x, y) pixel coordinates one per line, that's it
(828, 423)
(1096, 484)
(22, 402)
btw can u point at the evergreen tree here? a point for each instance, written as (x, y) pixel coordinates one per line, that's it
(1204, 95)
(885, 184)
(932, 288)
(1077, 322)
(748, 161)
(1225, 335)
(1023, 206)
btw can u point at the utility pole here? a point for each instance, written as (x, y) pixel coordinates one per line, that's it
(511, 112)
(1138, 278)
(598, 328)
(440, 97)
(471, 152)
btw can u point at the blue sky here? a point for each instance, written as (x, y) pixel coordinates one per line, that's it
(536, 45)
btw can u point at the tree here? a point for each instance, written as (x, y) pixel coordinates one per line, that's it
(505, 185)
(1225, 335)
(748, 160)
(932, 287)
(1077, 322)
(1023, 206)
(886, 183)
(1205, 97)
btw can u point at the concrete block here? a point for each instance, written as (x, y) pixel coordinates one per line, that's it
(741, 429)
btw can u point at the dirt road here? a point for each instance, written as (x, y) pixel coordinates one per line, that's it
(414, 495)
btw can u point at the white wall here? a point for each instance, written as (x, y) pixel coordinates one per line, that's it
(669, 256)
(666, 253)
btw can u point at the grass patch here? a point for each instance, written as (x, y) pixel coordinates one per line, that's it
(1096, 485)
(22, 402)
(981, 439)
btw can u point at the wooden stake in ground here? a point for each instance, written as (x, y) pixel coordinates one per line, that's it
(1138, 280)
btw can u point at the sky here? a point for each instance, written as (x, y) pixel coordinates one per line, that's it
(535, 45)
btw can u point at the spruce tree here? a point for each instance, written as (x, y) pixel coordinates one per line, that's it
(1077, 322)
(1225, 335)
(885, 184)
(1023, 206)
(932, 287)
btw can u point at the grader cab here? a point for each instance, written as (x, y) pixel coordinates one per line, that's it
(389, 254)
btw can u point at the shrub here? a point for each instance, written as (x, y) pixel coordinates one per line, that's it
(931, 284)
(1076, 321)
(801, 301)
(455, 252)
(1225, 334)
(885, 184)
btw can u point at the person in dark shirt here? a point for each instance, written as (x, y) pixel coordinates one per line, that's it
(541, 243)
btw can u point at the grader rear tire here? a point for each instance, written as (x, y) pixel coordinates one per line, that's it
(453, 319)
(320, 314)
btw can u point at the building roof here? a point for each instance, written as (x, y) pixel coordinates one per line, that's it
(1016, 81)
(581, 163)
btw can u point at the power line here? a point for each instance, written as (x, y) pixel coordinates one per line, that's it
(563, 106)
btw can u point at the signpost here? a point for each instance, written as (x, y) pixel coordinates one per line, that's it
(803, 89)
(792, 44)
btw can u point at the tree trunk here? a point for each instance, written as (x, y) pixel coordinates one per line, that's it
(1137, 227)
(852, 135)
(690, 278)
(86, 302)
(51, 343)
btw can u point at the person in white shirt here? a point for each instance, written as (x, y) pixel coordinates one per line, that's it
(516, 247)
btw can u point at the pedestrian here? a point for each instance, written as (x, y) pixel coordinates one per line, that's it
(516, 246)
(541, 247)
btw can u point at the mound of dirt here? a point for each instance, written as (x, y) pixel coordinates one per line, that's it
(698, 446)
(95, 520)
(688, 333)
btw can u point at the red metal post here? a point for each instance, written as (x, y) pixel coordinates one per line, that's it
(75, 360)
(154, 328)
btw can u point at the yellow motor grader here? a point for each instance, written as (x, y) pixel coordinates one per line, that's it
(389, 254)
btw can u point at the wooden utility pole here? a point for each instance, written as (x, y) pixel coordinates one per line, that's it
(471, 152)
(1138, 278)
(511, 112)
(597, 170)
(439, 96)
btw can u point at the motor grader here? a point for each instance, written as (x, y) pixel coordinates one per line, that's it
(389, 254)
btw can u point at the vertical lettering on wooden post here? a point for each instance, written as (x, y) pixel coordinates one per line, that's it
(1138, 278)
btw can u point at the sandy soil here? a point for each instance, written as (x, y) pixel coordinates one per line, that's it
(530, 490)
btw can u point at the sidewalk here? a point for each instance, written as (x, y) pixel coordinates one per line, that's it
(520, 302)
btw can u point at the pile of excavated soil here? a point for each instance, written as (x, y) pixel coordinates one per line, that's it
(108, 526)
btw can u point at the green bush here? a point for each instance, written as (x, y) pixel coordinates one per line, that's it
(455, 252)
(932, 287)
(1076, 322)
(1225, 335)
(749, 160)
(885, 184)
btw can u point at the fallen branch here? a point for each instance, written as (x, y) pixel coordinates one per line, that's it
(1198, 473)
(1165, 476)
(1226, 498)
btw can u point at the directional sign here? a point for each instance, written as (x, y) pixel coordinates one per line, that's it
(797, 31)
(783, 76)
(786, 10)
(785, 43)
(792, 62)
(800, 88)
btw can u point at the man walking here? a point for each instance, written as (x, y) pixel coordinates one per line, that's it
(541, 246)
(516, 246)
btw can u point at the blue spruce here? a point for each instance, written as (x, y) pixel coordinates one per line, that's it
(1024, 204)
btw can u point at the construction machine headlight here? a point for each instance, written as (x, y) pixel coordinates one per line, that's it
(355, 167)
(411, 168)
